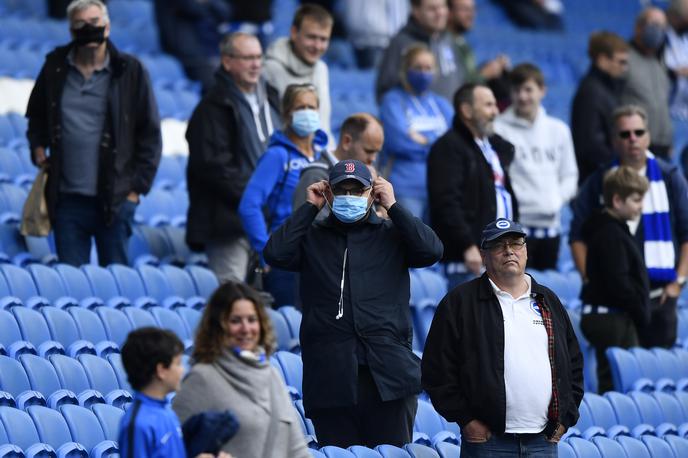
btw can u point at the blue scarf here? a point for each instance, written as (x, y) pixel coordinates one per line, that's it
(659, 251)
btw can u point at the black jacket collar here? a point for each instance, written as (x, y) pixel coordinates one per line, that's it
(486, 292)
(117, 62)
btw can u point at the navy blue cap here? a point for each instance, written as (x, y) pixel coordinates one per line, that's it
(498, 228)
(350, 169)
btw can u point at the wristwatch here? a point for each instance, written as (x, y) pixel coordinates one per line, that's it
(681, 281)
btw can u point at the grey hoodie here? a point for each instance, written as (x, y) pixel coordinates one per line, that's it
(283, 67)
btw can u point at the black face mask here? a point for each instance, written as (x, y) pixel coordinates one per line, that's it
(89, 33)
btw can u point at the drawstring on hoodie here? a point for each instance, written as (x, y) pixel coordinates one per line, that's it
(259, 125)
(340, 311)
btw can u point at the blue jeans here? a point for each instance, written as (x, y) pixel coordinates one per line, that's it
(510, 445)
(80, 218)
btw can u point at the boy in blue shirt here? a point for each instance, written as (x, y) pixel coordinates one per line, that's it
(152, 358)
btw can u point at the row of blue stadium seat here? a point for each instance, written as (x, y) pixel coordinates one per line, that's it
(69, 431)
(641, 369)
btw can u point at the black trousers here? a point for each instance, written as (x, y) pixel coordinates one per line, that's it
(604, 331)
(543, 253)
(371, 422)
(663, 328)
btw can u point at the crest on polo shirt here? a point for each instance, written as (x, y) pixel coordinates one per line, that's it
(535, 308)
(349, 167)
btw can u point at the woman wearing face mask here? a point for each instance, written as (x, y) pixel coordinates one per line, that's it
(413, 118)
(267, 200)
(231, 372)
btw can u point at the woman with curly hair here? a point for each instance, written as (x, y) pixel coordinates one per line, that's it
(231, 371)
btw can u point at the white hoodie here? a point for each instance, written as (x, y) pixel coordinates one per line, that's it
(544, 174)
(282, 68)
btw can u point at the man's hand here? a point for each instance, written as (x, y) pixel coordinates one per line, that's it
(556, 437)
(39, 156)
(475, 431)
(472, 259)
(383, 192)
(317, 192)
(672, 290)
(494, 68)
(133, 197)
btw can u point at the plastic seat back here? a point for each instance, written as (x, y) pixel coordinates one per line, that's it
(420, 451)
(292, 367)
(191, 318)
(101, 376)
(648, 407)
(32, 325)
(115, 360)
(13, 377)
(180, 281)
(48, 282)
(62, 327)
(71, 373)
(679, 445)
(609, 448)
(19, 427)
(168, 319)
(139, 318)
(41, 374)
(116, 324)
(584, 448)
(155, 283)
(101, 281)
(648, 363)
(75, 281)
(9, 329)
(204, 280)
(19, 281)
(670, 407)
(427, 420)
(51, 426)
(109, 418)
(601, 411)
(285, 341)
(89, 324)
(624, 367)
(83, 425)
(634, 448)
(390, 451)
(658, 447)
(128, 282)
(625, 409)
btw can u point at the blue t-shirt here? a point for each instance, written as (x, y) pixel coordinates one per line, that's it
(157, 432)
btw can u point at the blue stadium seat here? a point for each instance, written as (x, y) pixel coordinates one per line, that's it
(390, 451)
(116, 324)
(115, 360)
(22, 286)
(35, 330)
(63, 329)
(204, 280)
(19, 427)
(285, 341)
(70, 373)
(420, 451)
(101, 377)
(292, 368)
(603, 415)
(51, 426)
(651, 412)
(633, 447)
(679, 445)
(183, 286)
(447, 450)
(10, 165)
(627, 413)
(139, 318)
(131, 286)
(12, 198)
(83, 425)
(42, 249)
(158, 287)
(156, 209)
(10, 335)
(77, 285)
(49, 285)
(293, 317)
(89, 325)
(428, 421)
(12, 243)
(41, 374)
(13, 379)
(563, 448)
(169, 174)
(584, 448)
(181, 254)
(682, 398)
(335, 452)
(316, 453)
(650, 368)
(167, 319)
(658, 447)
(609, 448)
(626, 372)
(671, 409)
(109, 418)
(191, 318)
(104, 286)
(671, 366)
(363, 452)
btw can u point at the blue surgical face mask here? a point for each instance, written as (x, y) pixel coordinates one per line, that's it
(305, 122)
(653, 36)
(349, 209)
(419, 81)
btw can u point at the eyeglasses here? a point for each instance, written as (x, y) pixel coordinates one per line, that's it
(498, 247)
(248, 58)
(349, 192)
(626, 134)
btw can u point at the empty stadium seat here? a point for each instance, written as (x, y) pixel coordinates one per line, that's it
(158, 287)
(19, 427)
(104, 286)
(678, 445)
(64, 330)
(292, 368)
(428, 421)
(115, 360)
(168, 319)
(70, 373)
(204, 280)
(22, 286)
(657, 447)
(34, 329)
(117, 325)
(41, 374)
(109, 418)
(390, 451)
(139, 318)
(650, 368)
(51, 426)
(363, 452)
(83, 425)
(651, 413)
(77, 285)
(584, 448)
(91, 327)
(420, 451)
(447, 450)
(50, 285)
(102, 377)
(608, 448)
(285, 341)
(335, 452)
(13, 379)
(293, 318)
(131, 286)
(191, 318)
(183, 286)
(633, 447)
(626, 373)
(627, 413)
(603, 416)
(10, 335)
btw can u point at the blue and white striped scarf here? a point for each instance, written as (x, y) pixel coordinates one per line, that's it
(660, 254)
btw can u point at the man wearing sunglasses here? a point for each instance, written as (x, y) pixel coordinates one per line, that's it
(360, 377)
(661, 232)
(501, 358)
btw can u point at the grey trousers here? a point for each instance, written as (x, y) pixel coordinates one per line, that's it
(229, 260)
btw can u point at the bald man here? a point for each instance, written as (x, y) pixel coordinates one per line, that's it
(648, 83)
(360, 138)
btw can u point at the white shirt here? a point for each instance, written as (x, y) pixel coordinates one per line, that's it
(527, 371)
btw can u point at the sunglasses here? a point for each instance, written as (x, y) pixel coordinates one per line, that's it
(626, 134)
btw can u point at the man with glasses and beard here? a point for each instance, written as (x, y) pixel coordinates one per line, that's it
(468, 181)
(360, 376)
(94, 110)
(501, 358)
(661, 232)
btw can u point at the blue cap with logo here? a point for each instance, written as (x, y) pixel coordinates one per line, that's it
(350, 169)
(498, 228)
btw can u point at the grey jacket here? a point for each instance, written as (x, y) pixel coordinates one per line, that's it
(450, 70)
(246, 389)
(648, 85)
(316, 171)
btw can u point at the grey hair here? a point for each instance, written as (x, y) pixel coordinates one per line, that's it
(630, 110)
(79, 5)
(227, 45)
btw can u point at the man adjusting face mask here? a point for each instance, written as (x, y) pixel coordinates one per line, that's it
(350, 182)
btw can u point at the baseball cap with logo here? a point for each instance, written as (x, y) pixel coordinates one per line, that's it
(350, 169)
(498, 228)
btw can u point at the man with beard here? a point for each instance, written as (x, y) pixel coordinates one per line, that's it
(468, 183)
(93, 108)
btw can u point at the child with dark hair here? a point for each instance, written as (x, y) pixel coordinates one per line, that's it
(152, 358)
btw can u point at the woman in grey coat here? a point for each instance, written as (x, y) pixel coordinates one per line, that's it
(231, 371)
